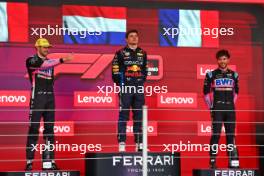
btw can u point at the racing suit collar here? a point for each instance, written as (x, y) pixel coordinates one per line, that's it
(41, 57)
(224, 70)
(128, 48)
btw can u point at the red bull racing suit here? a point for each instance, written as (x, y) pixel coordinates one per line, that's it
(129, 68)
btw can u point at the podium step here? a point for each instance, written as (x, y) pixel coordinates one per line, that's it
(41, 173)
(130, 164)
(226, 172)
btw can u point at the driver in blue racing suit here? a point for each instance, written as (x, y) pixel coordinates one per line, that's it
(129, 68)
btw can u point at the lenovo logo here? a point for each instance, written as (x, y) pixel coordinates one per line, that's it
(179, 100)
(152, 128)
(94, 99)
(61, 128)
(205, 128)
(203, 69)
(14, 98)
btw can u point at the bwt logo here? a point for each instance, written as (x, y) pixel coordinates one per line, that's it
(224, 82)
(61, 128)
(14, 98)
(177, 100)
(152, 128)
(94, 99)
(203, 69)
(90, 66)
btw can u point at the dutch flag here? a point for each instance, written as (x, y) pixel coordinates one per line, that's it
(103, 25)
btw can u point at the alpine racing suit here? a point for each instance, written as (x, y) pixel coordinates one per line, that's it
(129, 68)
(224, 87)
(42, 102)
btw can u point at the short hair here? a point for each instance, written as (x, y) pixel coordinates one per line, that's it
(131, 31)
(221, 53)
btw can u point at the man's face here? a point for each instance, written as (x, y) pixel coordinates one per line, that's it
(44, 51)
(223, 61)
(132, 38)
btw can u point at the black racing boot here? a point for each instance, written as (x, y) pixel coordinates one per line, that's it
(233, 160)
(53, 166)
(212, 163)
(29, 165)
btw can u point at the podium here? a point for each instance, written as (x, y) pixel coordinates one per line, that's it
(42, 173)
(225, 172)
(130, 164)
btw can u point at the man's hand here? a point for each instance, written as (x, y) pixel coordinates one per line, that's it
(68, 58)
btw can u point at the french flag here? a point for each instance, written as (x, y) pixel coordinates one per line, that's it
(101, 25)
(188, 23)
(13, 22)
